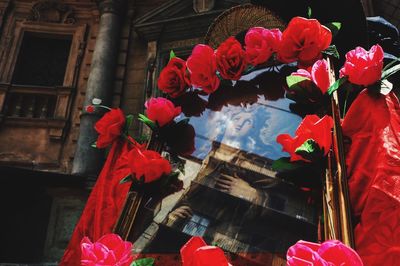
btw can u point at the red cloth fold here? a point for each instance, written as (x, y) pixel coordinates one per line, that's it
(373, 164)
(104, 204)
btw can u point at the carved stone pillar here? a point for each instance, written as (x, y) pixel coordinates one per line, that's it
(88, 161)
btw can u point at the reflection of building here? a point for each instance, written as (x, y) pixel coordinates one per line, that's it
(256, 216)
(389, 9)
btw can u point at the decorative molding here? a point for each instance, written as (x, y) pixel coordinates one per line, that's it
(183, 21)
(4, 7)
(167, 46)
(52, 11)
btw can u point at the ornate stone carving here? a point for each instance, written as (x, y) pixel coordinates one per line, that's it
(52, 11)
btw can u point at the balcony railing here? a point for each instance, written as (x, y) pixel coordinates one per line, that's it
(37, 106)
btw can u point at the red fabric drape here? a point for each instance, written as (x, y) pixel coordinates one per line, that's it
(103, 206)
(373, 161)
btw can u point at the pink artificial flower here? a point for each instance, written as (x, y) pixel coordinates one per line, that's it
(161, 110)
(363, 67)
(260, 44)
(319, 75)
(329, 253)
(109, 250)
(202, 66)
(304, 253)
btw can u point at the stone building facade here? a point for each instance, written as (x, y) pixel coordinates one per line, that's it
(55, 56)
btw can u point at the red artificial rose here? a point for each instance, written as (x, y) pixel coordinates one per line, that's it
(230, 59)
(148, 164)
(173, 78)
(90, 108)
(363, 67)
(260, 44)
(319, 75)
(312, 127)
(108, 250)
(202, 65)
(329, 253)
(161, 110)
(196, 253)
(303, 40)
(109, 127)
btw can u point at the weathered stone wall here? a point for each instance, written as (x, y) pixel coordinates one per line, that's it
(30, 142)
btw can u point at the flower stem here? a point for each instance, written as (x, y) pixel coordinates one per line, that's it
(345, 102)
(129, 139)
(102, 106)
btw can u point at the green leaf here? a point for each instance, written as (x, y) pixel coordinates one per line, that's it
(334, 27)
(216, 244)
(336, 85)
(309, 12)
(391, 63)
(143, 262)
(128, 122)
(284, 164)
(295, 80)
(94, 145)
(332, 51)
(171, 54)
(126, 179)
(147, 121)
(310, 150)
(386, 87)
(143, 139)
(388, 72)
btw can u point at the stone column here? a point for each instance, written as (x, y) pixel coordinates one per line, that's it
(88, 161)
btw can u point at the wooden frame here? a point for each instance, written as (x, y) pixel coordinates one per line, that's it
(336, 205)
(336, 201)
